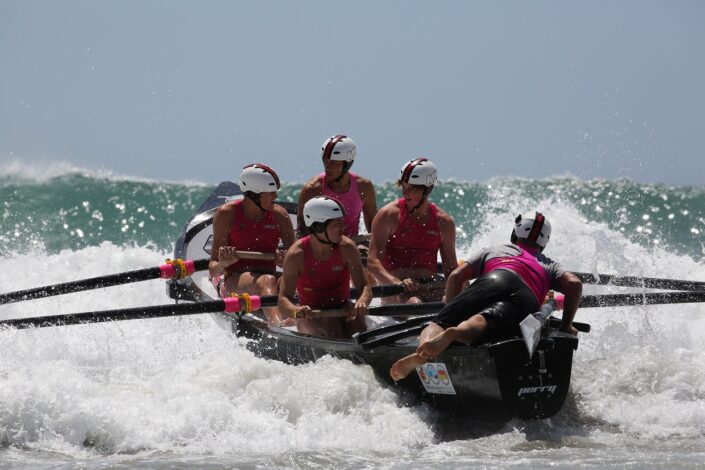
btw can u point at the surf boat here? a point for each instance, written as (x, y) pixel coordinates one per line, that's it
(497, 379)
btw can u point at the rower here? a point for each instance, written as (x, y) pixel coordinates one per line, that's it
(513, 281)
(355, 193)
(253, 223)
(408, 234)
(319, 268)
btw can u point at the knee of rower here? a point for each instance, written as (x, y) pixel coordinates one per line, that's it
(268, 281)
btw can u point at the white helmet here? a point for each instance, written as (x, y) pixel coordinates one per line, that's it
(321, 209)
(536, 229)
(259, 178)
(339, 147)
(420, 171)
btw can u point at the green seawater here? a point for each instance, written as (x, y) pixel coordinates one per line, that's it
(76, 210)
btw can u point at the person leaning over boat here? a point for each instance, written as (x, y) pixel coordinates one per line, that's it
(355, 193)
(253, 223)
(319, 268)
(513, 281)
(408, 233)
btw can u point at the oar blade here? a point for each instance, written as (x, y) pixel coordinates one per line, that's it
(531, 331)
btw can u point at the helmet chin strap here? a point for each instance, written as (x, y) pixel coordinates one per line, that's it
(342, 173)
(256, 198)
(327, 240)
(423, 198)
(337, 180)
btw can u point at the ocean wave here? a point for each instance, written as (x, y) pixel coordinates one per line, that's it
(21, 170)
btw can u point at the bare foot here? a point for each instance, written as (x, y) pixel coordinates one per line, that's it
(439, 343)
(405, 366)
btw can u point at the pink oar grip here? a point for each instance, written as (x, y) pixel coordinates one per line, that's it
(232, 304)
(167, 271)
(190, 267)
(560, 300)
(256, 302)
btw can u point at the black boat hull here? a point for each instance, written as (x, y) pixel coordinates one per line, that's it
(497, 378)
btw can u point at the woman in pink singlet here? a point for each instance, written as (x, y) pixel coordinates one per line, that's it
(319, 268)
(355, 193)
(409, 233)
(255, 224)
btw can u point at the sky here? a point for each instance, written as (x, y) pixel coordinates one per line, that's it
(185, 90)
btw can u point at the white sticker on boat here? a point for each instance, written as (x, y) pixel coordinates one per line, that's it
(435, 378)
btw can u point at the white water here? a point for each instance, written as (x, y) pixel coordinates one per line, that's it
(180, 392)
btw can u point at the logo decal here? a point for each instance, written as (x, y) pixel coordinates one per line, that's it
(232, 198)
(533, 390)
(443, 375)
(422, 375)
(435, 378)
(432, 373)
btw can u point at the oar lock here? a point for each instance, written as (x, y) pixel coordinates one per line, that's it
(240, 304)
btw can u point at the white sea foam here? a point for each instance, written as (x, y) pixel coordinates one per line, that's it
(184, 387)
(42, 170)
(178, 385)
(641, 368)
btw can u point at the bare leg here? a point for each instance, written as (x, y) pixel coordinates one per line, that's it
(266, 284)
(255, 284)
(406, 365)
(468, 332)
(354, 325)
(231, 284)
(327, 327)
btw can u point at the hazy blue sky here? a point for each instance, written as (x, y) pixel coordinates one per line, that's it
(197, 89)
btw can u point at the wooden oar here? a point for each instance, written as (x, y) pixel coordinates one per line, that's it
(390, 333)
(230, 305)
(648, 282)
(170, 270)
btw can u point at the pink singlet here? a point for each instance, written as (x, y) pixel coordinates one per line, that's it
(253, 235)
(413, 245)
(529, 270)
(323, 283)
(351, 202)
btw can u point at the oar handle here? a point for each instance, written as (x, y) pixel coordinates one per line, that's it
(256, 255)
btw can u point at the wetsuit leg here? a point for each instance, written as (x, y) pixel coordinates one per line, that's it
(500, 296)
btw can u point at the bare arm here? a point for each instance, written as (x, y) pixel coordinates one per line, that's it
(384, 225)
(293, 266)
(572, 287)
(457, 278)
(286, 232)
(310, 190)
(286, 229)
(351, 255)
(448, 256)
(369, 201)
(222, 255)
